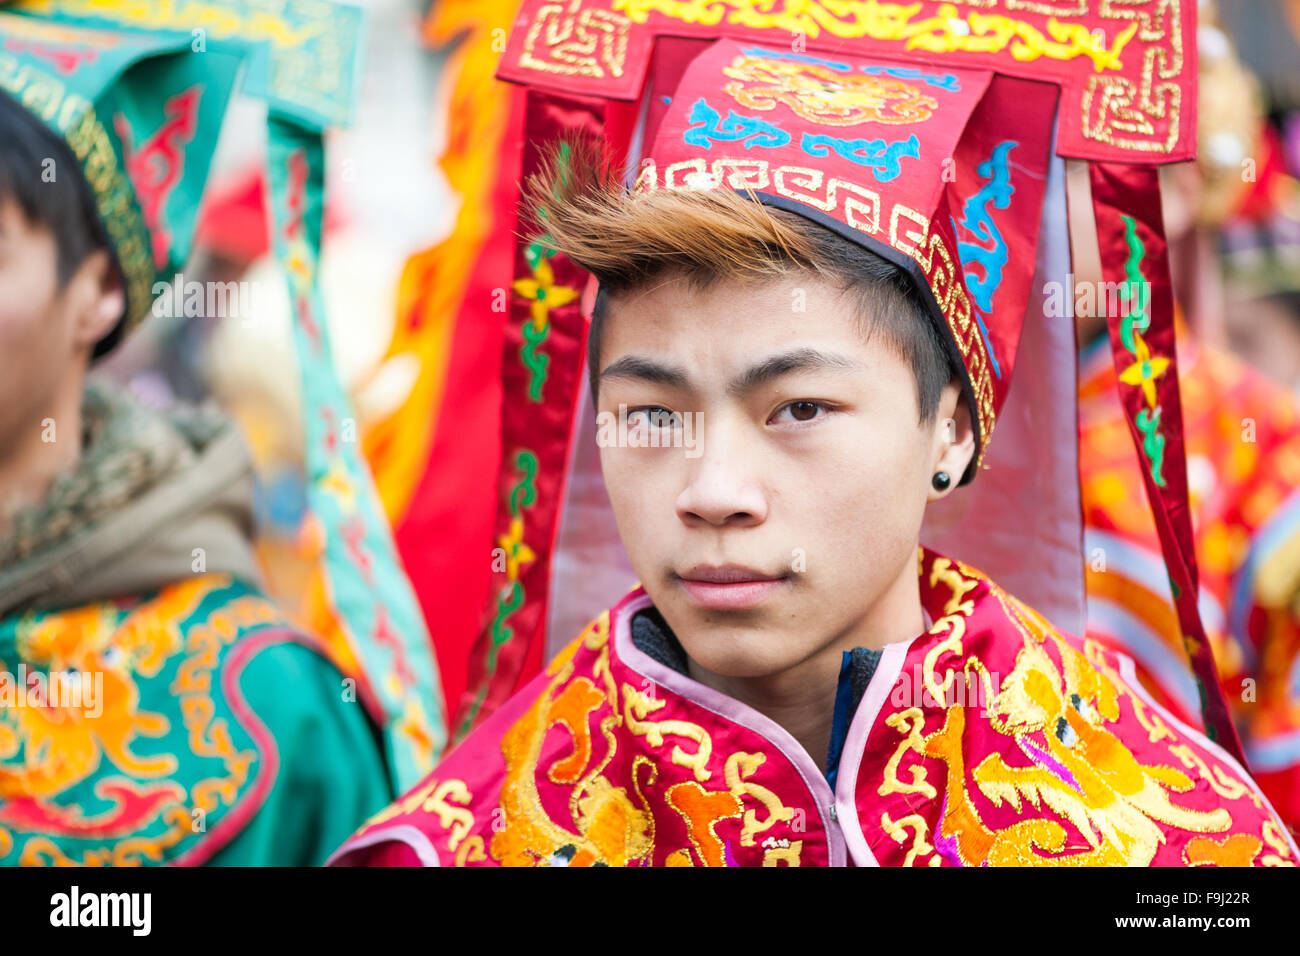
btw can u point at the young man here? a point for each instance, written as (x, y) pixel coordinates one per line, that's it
(796, 681)
(155, 706)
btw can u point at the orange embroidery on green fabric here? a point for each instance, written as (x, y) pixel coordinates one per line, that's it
(62, 748)
(73, 746)
(134, 851)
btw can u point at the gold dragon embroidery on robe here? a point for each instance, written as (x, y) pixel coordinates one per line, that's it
(607, 825)
(1057, 708)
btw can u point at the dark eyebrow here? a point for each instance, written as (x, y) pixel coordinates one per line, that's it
(773, 367)
(647, 370)
(796, 360)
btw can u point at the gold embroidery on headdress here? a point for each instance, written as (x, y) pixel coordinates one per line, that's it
(821, 95)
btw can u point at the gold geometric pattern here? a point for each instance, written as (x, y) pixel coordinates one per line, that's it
(1116, 112)
(583, 38)
(576, 41)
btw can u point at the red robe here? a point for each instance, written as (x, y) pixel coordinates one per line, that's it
(990, 739)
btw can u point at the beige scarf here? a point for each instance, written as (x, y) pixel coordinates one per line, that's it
(127, 449)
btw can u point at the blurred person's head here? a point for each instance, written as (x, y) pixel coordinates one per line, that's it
(1261, 262)
(1265, 331)
(61, 296)
(819, 428)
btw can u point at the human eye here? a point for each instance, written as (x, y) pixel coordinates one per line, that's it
(799, 412)
(653, 416)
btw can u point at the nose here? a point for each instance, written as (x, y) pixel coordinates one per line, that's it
(723, 486)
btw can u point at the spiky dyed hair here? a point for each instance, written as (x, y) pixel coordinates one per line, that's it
(627, 239)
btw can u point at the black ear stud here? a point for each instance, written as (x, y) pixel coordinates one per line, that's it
(941, 480)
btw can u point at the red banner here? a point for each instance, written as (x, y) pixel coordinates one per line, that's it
(1134, 254)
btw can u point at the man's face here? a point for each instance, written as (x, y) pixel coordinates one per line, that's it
(808, 481)
(36, 331)
(47, 328)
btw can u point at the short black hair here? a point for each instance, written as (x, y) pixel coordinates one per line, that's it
(40, 174)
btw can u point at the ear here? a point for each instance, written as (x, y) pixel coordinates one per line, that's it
(953, 439)
(97, 298)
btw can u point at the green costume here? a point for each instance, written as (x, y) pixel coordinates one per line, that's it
(206, 729)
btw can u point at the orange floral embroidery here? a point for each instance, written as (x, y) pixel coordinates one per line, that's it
(1239, 849)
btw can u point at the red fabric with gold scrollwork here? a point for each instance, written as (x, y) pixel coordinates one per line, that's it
(541, 373)
(1134, 254)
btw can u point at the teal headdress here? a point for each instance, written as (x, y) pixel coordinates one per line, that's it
(140, 115)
